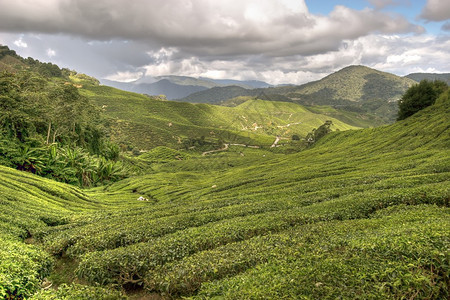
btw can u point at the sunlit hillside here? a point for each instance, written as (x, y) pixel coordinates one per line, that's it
(363, 212)
(146, 122)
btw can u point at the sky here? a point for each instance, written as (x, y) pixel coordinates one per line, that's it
(276, 41)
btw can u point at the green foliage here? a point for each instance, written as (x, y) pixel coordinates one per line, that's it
(362, 214)
(319, 133)
(163, 155)
(37, 114)
(79, 292)
(22, 268)
(420, 96)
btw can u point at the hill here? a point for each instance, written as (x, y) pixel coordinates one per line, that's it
(216, 95)
(445, 77)
(248, 84)
(363, 212)
(354, 88)
(353, 83)
(143, 122)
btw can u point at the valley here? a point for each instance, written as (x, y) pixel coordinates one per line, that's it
(258, 199)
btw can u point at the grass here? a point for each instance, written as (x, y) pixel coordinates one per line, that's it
(146, 122)
(362, 214)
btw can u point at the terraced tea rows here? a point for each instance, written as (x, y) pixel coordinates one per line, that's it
(145, 122)
(363, 214)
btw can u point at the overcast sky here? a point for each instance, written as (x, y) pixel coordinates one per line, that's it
(277, 41)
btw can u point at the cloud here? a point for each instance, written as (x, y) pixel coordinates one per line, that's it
(202, 27)
(51, 52)
(380, 4)
(446, 26)
(436, 10)
(20, 43)
(275, 41)
(125, 76)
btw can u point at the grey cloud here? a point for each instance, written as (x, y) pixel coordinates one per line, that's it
(446, 26)
(380, 4)
(201, 27)
(436, 10)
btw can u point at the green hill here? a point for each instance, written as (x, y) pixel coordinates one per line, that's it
(146, 122)
(354, 83)
(363, 212)
(354, 88)
(429, 76)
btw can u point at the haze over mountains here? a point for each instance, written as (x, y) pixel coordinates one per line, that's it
(353, 83)
(176, 87)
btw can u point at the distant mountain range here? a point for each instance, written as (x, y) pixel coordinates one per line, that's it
(430, 76)
(354, 88)
(176, 87)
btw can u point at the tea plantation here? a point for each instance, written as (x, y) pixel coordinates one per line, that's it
(363, 214)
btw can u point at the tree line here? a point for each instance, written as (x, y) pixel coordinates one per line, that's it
(48, 128)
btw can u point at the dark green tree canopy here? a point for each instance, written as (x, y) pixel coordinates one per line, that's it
(420, 96)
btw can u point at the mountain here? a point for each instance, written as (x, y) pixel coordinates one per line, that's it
(355, 84)
(176, 87)
(216, 95)
(354, 88)
(248, 84)
(430, 76)
(144, 122)
(172, 89)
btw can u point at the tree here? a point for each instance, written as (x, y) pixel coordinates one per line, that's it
(419, 96)
(318, 133)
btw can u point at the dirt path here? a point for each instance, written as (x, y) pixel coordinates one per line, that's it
(287, 125)
(225, 147)
(275, 143)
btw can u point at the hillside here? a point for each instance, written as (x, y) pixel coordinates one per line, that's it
(145, 122)
(445, 77)
(217, 95)
(354, 88)
(353, 83)
(363, 212)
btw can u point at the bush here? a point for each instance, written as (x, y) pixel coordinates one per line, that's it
(420, 96)
(79, 292)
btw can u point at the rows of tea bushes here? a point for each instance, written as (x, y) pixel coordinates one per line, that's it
(344, 244)
(361, 214)
(29, 204)
(130, 264)
(319, 186)
(402, 252)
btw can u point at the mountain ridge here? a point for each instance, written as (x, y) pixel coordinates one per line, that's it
(177, 87)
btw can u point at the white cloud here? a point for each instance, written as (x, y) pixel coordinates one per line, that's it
(20, 43)
(126, 76)
(274, 41)
(51, 52)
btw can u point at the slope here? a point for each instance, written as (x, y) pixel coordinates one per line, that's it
(145, 122)
(354, 83)
(354, 88)
(364, 212)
